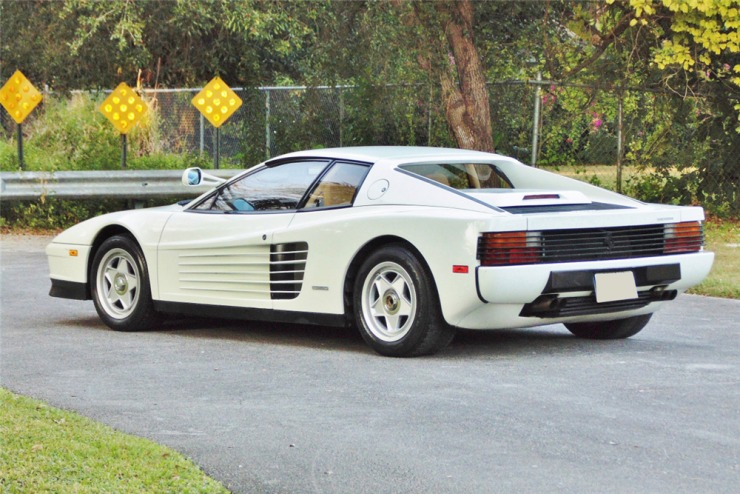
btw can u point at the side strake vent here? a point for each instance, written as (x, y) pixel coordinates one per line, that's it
(551, 246)
(287, 267)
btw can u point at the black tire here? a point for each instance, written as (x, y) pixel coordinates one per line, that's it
(396, 305)
(119, 282)
(609, 330)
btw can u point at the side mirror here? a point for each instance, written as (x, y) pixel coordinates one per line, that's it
(193, 177)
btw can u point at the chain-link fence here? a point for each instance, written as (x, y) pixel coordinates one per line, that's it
(598, 133)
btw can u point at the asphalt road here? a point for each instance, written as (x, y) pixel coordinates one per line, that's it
(300, 409)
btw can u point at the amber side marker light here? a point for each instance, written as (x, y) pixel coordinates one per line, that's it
(73, 252)
(683, 237)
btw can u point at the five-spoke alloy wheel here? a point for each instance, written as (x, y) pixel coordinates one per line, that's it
(396, 305)
(120, 285)
(389, 302)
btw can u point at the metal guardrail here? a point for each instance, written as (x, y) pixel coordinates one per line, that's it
(114, 184)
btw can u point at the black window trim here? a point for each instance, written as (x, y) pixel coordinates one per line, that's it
(330, 163)
(314, 185)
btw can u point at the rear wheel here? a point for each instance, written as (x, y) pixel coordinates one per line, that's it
(120, 286)
(396, 305)
(609, 330)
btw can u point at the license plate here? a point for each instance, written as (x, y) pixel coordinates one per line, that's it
(610, 287)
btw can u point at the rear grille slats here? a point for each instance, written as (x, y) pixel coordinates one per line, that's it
(589, 244)
(605, 243)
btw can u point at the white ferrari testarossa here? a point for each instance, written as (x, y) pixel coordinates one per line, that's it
(405, 243)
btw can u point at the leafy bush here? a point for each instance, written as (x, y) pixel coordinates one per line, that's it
(689, 150)
(55, 214)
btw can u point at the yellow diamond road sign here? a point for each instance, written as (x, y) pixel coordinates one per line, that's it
(217, 102)
(19, 97)
(123, 108)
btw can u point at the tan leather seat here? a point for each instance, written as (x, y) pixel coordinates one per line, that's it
(331, 194)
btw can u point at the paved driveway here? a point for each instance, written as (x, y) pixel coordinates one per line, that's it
(296, 409)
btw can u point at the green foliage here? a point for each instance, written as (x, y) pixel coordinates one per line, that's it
(688, 150)
(71, 134)
(8, 156)
(166, 161)
(687, 46)
(92, 44)
(55, 214)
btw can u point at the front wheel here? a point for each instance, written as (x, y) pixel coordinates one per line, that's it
(396, 305)
(609, 330)
(120, 286)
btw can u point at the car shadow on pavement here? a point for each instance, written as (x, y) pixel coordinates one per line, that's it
(294, 335)
(546, 339)
(552, 339)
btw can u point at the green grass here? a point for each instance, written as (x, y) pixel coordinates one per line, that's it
(722, 238)
(601, 175)
(47, 450)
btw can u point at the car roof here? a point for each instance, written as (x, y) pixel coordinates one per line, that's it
(393, 153)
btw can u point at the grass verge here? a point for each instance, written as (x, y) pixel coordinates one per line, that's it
(722, 238)
(47, 450)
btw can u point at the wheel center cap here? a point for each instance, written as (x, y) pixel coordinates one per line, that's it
(120, 284)
(391, 301)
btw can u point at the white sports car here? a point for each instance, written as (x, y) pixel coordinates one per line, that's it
(405, 243)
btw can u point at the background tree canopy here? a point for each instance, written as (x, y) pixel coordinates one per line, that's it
(681, 48)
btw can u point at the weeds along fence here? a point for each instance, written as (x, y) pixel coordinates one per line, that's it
(603, 135)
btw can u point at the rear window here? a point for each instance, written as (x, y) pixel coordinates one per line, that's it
(462, 176)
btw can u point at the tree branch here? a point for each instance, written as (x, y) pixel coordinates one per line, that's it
(606, 42)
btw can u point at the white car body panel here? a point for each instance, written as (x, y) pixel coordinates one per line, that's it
(223, 260)
(217, 259)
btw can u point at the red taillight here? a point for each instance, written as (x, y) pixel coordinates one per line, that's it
(507, 248)
(683, 237)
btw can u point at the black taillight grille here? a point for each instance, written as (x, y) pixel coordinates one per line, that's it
(589, 244)
(603, 243)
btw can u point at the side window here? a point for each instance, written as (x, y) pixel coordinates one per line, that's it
(274, 188)
(338, 186)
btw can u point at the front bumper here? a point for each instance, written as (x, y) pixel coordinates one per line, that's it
(68, 270)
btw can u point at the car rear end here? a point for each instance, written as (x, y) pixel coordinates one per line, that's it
(587, 265)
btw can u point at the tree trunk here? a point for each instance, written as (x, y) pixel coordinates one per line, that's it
(466, 98)
(453, 60)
